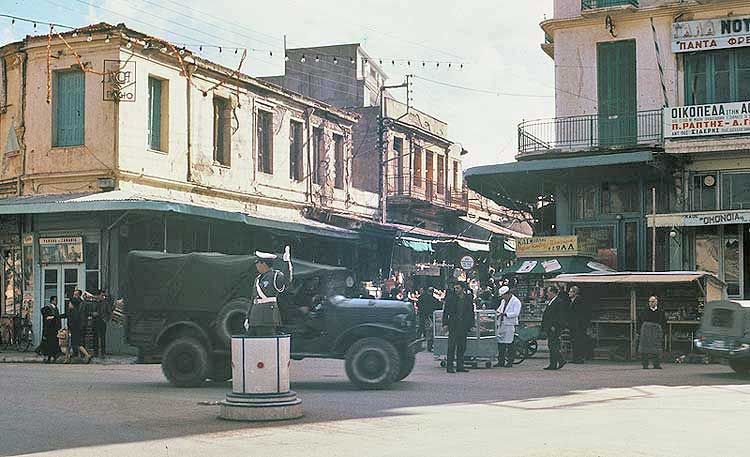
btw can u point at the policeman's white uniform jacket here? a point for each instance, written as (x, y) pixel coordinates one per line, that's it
(506, 326)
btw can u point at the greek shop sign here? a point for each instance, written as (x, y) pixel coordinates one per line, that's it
(710, 34)
(698, 220)
(705, 120)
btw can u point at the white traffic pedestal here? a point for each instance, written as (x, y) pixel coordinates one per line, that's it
(260, 380)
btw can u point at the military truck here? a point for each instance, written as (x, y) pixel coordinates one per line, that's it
(182, 310)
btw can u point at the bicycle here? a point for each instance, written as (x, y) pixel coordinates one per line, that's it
(22, 338)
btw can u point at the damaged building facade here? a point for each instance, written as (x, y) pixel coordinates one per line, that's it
(115, 141)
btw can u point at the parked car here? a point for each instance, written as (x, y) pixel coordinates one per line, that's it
(725, 333)
(182, 310)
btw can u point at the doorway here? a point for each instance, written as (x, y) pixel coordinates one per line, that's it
(617, 98)
(60, 281)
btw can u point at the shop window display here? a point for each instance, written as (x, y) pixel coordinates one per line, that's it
(603, 240)
(735, 191)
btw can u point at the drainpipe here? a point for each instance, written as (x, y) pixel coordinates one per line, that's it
(309, 113)
(22, 123)
(189, 129)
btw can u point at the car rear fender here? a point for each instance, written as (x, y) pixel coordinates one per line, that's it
(180, 329)
(386, 332)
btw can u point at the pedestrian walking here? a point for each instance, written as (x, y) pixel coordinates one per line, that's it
(651, 325)
(76, 324)
(51, 324)
(507, 320)
(553, 322)
(580, 320)
(458, 318)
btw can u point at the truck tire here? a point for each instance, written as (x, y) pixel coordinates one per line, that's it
(372, 363)
(185, 362)
(740, 366)
(230, 320)
(406, 366)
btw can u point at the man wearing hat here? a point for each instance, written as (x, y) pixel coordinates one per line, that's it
(264, 318)
(507, 320)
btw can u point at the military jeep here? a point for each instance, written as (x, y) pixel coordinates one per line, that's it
(182, 310)
(724, 333)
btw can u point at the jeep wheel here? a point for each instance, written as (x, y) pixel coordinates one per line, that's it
(408, 359)
(231, 319)
(372, 363)
(741, 366)
(185, 362)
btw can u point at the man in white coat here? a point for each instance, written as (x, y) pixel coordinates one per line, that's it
(507, 320)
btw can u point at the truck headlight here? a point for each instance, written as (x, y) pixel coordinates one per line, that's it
(402, 320)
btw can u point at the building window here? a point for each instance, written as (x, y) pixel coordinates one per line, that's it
(457, 177)
(398, 150)
(69, 109)
(91, 252)
(338, 144)
(222, 131)
(318, 154)
(704, 192)
(158, 117)
(295, 151)
(735, 190)
(441, 175)
(417, 166)
(620, 198)
(717, 76)
(265, 142)
(585, 202)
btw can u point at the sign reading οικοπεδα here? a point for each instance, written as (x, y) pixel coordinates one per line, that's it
(707, 120)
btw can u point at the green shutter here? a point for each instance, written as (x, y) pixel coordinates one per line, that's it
(154, 114)
(69, 113)
(616, 78)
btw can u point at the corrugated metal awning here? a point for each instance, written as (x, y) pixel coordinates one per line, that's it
(125, 201)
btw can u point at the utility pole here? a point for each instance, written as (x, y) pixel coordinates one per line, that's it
(383, 125)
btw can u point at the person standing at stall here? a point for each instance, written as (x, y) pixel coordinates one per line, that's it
(426, 305)
(553, 321)
(651, 325)
(458, 318)
(580, 319)
(507, 320)
(51, 324)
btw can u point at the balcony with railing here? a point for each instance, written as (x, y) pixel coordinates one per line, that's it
(587, 5)
(408, 188)
(591, 132)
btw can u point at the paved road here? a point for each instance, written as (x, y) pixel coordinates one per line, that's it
(601, 409)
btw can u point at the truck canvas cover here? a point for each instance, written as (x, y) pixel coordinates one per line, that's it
(206, 281)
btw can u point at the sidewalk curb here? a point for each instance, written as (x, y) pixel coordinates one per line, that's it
(33, 359)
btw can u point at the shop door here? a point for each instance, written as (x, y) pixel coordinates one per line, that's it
(616, 77)
(60, 281)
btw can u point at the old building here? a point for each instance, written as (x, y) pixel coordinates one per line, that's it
(651, 106)
(421, 181)
(116, 141)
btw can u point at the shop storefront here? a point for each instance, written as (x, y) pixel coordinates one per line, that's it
(54, 245)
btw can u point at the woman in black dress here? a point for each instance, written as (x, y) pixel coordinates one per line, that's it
(651, 325)
(51, 324)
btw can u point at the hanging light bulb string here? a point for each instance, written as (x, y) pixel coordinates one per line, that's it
(49, 64)
(13, 20)
(304, 56)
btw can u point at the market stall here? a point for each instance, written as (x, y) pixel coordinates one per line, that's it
(542, 258)
(481, 345)
(616, 298)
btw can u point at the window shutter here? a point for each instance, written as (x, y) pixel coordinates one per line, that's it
(154, 114)
(70, 108)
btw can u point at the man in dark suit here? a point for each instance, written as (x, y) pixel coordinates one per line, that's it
(458, 319)
(580, 319)
(553, 321)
